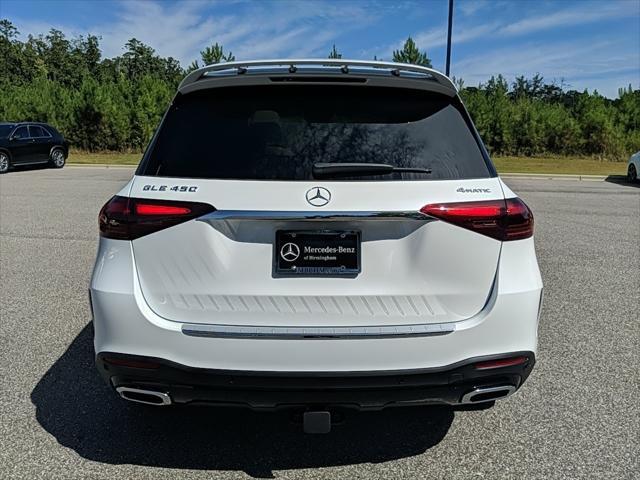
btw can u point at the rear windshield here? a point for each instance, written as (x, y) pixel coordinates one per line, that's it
(278, 132)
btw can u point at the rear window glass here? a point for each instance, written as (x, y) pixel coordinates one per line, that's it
(37, 131)
(278, 133)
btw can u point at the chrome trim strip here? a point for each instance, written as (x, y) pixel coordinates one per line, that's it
(313, 215)
(322, 333)
(35, 162)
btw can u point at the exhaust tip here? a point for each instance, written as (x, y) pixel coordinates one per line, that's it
(487, 394)
(148, 397)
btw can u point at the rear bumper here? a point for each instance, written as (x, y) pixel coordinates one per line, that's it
(451, 384)
(125, 324)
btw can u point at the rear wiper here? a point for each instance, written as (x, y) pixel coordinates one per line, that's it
(338, 170)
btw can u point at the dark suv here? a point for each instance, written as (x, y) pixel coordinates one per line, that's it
(30, 143)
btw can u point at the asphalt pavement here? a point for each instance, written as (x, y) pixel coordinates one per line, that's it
(576, 417)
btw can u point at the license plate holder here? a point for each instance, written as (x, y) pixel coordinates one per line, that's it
(317, 253)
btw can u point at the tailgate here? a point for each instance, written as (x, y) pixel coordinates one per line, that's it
(222, 268)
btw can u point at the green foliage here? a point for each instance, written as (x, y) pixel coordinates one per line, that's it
(538, 118)
(411, 54)
(115, 104)
(7, 30)
(210, 56)
(215, 54)
(98, 104)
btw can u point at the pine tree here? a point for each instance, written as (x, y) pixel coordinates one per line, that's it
(7, 30)
(215, 54)
(194, 66)
(411, 54)
(334, 52)
(116, 103)
(458, 82)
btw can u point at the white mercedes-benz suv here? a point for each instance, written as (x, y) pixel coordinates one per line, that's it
(315, 234)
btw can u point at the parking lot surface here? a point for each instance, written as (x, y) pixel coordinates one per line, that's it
(576, 417)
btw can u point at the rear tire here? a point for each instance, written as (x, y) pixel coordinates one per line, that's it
(632, 174)
(4, 162)
(56, 157)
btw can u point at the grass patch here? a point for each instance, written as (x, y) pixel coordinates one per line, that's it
(559, 165)
(108, 158)
(547, 165)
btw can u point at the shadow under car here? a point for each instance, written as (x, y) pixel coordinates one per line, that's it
(622, 180)
(75, 406)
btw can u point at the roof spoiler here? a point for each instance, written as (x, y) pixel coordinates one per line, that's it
(292, 64)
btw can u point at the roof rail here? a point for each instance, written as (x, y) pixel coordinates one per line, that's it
(331, 62)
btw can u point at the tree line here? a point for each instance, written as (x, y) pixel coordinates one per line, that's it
(114, 104)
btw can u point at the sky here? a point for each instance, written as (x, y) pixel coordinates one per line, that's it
(585, 44)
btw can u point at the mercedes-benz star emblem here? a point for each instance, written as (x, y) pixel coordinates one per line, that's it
(318, 196)
(290, 252)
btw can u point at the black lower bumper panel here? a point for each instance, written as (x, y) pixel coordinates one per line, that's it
(273, 390)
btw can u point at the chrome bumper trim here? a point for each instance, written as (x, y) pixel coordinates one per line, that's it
(313, 215)
(322, 333)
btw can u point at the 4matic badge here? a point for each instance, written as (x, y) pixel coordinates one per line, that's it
(473, 190)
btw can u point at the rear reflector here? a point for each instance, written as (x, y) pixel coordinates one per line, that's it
(126, 218)
(124, 362)
(504, 220)
(505, 362)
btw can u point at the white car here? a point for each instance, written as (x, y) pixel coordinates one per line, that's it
(633, 167)
(316, 234)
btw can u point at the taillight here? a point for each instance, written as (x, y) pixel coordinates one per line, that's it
(153, 209)
(504, 220)
(126, 218)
